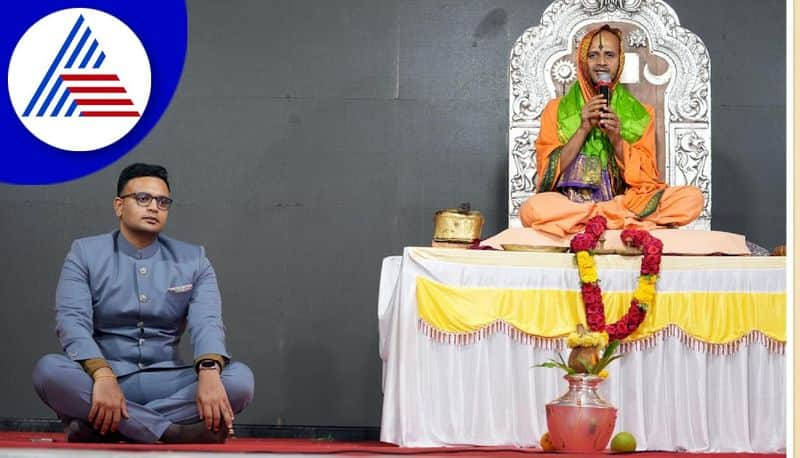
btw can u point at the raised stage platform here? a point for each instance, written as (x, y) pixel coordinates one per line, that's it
(704, 373)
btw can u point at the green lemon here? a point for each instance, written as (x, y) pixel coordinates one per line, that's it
(623, 442)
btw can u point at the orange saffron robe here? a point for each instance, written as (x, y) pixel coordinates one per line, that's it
(554, 213)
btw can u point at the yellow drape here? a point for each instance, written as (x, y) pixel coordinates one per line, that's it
(712, 317)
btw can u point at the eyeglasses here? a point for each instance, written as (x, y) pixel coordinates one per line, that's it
(144, 199)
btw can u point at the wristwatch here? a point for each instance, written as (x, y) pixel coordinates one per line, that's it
(208, 365)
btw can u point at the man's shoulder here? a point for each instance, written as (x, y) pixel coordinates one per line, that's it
(553, 102)
(550, 111)
(650, 108)
(179, 248)
(106, 241)
(96, 241)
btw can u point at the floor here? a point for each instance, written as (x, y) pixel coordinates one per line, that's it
(52, 445)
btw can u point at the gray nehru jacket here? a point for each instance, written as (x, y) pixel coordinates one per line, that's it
(131, 306)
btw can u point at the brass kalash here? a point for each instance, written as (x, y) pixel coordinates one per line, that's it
(457, 227)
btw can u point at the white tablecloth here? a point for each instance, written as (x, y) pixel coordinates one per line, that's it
(669, 396)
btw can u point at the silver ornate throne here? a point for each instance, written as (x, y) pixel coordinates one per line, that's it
(666, 66)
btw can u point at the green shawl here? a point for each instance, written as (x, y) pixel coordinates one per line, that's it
(633, 116)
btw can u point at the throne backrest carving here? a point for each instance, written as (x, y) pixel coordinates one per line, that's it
(666, 66)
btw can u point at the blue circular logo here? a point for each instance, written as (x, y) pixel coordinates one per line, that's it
(85, 84)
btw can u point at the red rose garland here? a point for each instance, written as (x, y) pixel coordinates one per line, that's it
(583, 244)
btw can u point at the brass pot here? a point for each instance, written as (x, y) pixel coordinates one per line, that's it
(459, 225)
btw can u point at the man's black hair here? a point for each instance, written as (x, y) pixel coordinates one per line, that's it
(140, 170)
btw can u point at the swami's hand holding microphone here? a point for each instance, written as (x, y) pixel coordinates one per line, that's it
(603, 87)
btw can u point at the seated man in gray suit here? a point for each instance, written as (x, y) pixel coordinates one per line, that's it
(123, 302)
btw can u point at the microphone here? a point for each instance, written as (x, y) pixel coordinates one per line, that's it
(604, 85)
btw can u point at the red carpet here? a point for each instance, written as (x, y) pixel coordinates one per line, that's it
(10, 439)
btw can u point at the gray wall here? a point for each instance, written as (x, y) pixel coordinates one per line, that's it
(309, 139)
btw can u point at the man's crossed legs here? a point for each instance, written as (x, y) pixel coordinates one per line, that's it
(156, 399)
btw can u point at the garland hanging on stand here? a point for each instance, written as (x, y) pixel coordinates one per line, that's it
(583, 244)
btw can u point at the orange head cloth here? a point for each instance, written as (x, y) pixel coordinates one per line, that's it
(581, 57)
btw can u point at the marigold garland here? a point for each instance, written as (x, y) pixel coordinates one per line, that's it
(583, 244)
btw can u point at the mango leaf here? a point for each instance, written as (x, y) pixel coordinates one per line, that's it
(610, 348)
(607, 358)
(602, 364)
(553, 364)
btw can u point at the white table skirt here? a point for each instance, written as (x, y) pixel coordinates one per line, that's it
(669, 396)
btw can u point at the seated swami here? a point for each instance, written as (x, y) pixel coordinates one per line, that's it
(598, 157)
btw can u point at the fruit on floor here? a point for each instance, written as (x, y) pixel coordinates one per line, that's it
(623, 442)
(545, 443)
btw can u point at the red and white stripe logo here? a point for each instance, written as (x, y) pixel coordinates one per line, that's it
(99, 94)
(79, 79)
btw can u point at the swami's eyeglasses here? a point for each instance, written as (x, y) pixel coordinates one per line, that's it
(144, 199)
